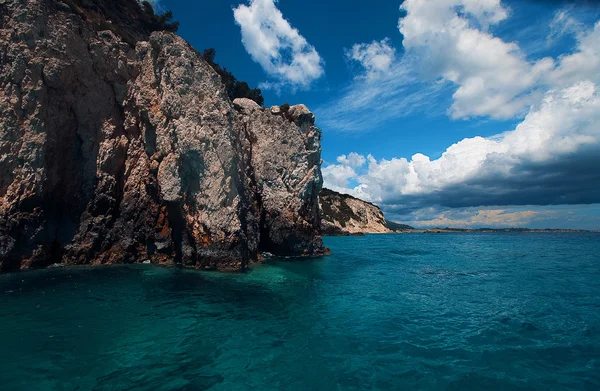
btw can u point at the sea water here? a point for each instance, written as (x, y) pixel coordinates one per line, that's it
(489, 311)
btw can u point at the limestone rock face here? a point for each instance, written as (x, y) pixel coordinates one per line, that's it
(121, 146)
(285, 154)
(343, 214)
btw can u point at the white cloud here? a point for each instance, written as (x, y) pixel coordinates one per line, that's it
(583, 64)
(531, 216)
(449, 47)
(337, 176)
(278, 47)
(369, 102)
(376, 57)
(480, 218)
(550, 158)
(353, 160)
(494, 77)
(566, 122)
(564, 24)
(452, 40)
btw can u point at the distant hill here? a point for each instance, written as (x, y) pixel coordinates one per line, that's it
(344, 215)
(514, 230)
(397, 226)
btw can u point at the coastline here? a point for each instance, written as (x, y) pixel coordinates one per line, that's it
(470, 231)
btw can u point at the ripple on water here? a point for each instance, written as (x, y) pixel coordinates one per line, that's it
(383, 312)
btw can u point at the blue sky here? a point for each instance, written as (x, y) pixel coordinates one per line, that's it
(464, 113)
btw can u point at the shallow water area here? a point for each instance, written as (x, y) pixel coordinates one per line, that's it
(435, 312)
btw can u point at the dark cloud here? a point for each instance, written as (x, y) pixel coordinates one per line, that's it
(570, 180)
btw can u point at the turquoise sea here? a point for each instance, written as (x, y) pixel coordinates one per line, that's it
(389, 312)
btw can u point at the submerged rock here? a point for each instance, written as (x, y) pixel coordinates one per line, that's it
(344, 215)
(117, 145)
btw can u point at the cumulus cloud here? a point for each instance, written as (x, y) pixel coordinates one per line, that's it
(449, 50)
(583, 64)
(552, 157)
(452, 39)
(353, 160)
(337, 176)
(376, 57)
(271, 41)
(494, 78)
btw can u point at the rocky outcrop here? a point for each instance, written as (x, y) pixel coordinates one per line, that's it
(285, 162)
(121, 146)
(343, 214)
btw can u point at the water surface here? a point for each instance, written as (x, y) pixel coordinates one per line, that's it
(431, 312)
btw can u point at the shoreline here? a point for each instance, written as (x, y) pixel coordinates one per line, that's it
(470, 231)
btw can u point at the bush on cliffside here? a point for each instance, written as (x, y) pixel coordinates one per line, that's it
(132, 20)
(235, 89)
(159, 22)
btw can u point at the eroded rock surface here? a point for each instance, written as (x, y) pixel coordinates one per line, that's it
(121, 146)
(343, 214)
(285, 153)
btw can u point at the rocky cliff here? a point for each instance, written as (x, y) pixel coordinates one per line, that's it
(343, 214)
(120, 145)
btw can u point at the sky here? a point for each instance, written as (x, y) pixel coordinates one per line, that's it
(462, 113)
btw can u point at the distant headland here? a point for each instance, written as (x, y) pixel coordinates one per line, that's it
(491, 230)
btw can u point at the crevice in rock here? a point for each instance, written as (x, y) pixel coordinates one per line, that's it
(178, 229)
(264, 243)
(245, 208)
(149, 138)
(56, 251)
(120, 174)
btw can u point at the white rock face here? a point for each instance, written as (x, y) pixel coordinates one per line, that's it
(286, 161)
(168, 178)
(121, 146)
(345, 215)
(245, 105)
(301, 113)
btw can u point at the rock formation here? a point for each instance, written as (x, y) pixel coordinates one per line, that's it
(343, 215)
(120, 145)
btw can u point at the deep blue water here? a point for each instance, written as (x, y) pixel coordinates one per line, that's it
(389, 312)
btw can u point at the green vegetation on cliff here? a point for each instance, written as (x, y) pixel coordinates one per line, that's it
(235, 88)
(159, 22)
